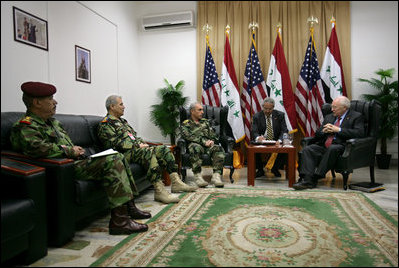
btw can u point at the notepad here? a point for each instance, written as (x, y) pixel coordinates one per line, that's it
(104, 153)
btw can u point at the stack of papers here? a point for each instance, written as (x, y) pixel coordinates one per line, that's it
(104, 153)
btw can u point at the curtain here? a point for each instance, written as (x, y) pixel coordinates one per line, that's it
(293, 17)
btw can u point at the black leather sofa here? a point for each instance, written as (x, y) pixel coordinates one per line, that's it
(23, 213)
(71, 203)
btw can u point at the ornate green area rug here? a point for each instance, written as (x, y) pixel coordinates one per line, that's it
(255, 227)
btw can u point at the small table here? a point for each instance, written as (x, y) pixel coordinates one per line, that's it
(290, 167)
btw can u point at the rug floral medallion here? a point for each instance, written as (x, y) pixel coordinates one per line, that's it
(255, 227)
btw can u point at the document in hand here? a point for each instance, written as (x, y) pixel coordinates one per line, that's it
(104, 153)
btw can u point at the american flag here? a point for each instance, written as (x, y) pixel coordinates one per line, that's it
(309, 94)
(253, 91)
(210, 85)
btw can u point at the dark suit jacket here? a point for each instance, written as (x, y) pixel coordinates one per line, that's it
(259, 125)
(351, 127)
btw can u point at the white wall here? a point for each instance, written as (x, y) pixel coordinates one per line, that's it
(133, 63)
(374, 45)
(169, 54)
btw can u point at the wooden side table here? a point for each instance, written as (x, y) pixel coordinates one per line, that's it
(290, 167)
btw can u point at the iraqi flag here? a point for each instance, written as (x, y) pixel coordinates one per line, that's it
(230, 94)
(331, 73)
(279, 85)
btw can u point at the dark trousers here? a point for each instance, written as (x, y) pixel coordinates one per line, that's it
(279, 163)
(316, 160)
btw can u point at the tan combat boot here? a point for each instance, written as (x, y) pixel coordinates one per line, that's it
(216, 180)
(199, 180)
(162, 195)
(179, 186)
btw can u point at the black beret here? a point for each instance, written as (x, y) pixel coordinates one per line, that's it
(38, 89)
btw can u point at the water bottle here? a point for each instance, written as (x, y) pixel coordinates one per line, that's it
(286, 139)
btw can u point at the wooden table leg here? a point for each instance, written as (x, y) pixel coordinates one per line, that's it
(291, 168)
(251, 168)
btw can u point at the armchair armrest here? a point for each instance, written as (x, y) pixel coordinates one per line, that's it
(361, 147)
(60, 185)
(182, 144)
(23, 180)
(307, 141)
(227, 143)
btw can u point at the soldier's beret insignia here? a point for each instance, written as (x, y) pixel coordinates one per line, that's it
(105, 120)
(26, 120)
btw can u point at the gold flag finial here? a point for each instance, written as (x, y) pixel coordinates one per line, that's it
(279, 29)
(228, 29)
(332, 21)
(206, 28)
(312, 21)
(253, 25)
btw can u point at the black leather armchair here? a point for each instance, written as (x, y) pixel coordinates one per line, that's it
(23, 213)
(72, 203)
(218, 117)
(358, 152)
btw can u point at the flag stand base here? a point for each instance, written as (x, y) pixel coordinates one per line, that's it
(368, 187)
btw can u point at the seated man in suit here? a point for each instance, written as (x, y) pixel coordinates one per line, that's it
(318, 158)
(269, 124)
(201, 137)
(39, 135)
(115, 132)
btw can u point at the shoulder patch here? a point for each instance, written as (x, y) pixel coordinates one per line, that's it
(105, 120)
(185, 121)
(26, 120)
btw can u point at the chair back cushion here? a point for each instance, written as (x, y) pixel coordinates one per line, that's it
(8, 119)
(80, 130)
(216, 115)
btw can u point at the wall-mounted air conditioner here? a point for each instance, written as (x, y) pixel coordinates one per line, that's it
(168, 21)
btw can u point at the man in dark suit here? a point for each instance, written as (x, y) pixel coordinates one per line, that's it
(260, 132)
(318, 158)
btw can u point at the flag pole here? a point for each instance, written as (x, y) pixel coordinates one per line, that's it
(252, 26)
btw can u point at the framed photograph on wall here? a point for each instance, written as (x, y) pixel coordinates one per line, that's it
(82, 64)
(29, 29)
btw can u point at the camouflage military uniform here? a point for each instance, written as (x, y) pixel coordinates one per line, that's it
(197, 135)
(36, 138)
(118, 134)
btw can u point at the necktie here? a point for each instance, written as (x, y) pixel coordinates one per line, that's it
(331, 137)
(269, 129)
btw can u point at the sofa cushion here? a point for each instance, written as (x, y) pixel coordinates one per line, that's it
(8, 119)
(16, 217)
(88, 191)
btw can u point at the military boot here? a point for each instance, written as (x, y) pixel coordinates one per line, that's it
(199, 180)
(121, 223)
(216, 180)
(162, 195)
(136, 213)
(179, 186)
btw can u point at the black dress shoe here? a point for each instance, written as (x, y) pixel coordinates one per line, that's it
(276, 172)
(260, 173)
(302, 185)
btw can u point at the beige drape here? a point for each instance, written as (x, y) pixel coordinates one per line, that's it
(293, 17)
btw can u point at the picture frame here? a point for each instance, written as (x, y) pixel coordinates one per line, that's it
(82, 64)
(30, 29)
